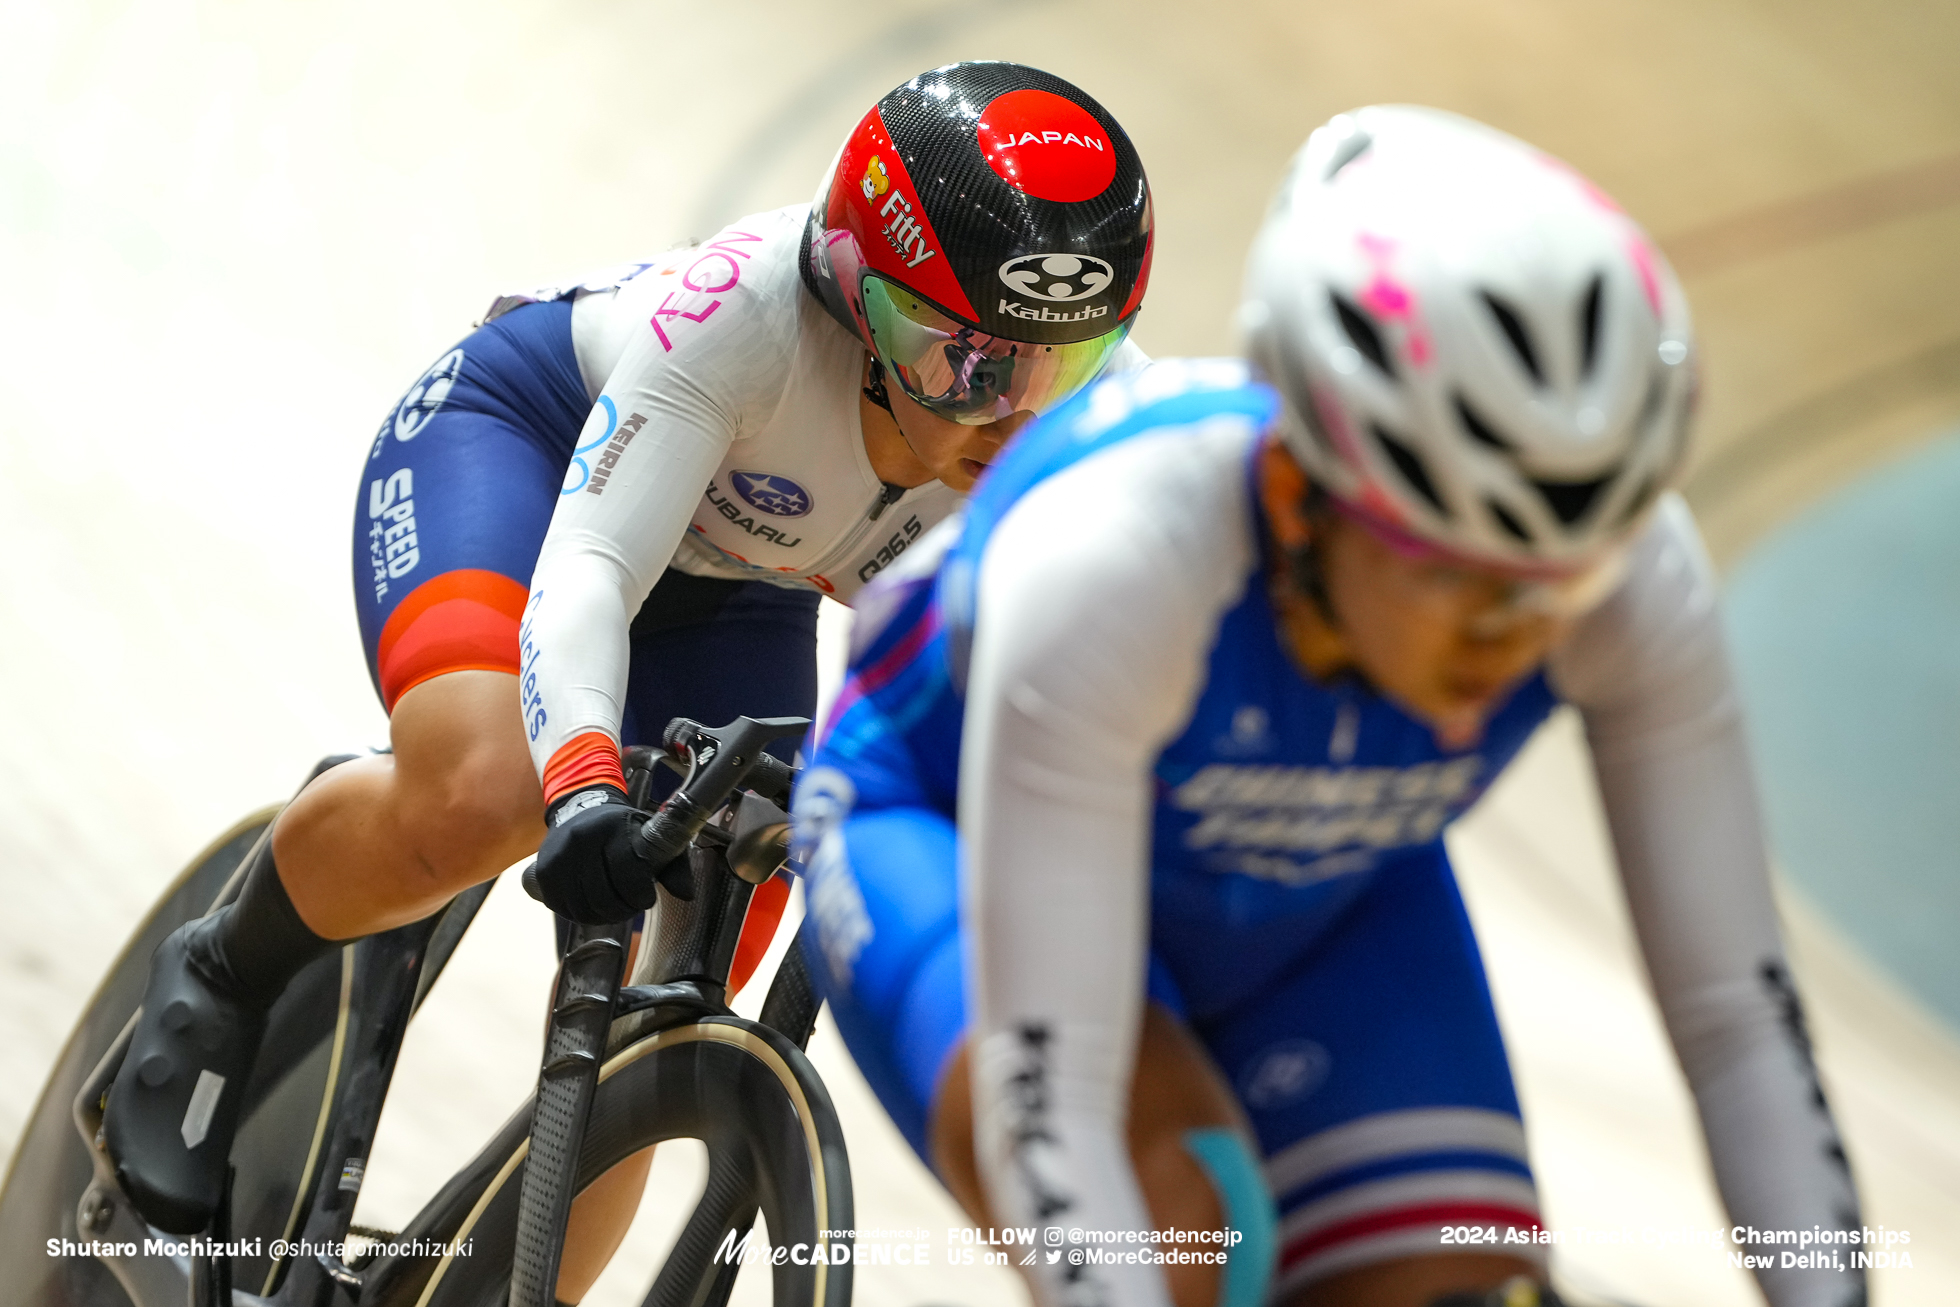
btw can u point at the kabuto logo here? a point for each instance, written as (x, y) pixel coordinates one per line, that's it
(775, 495)
(426, 396)
(1046, 314)
(1057, 278)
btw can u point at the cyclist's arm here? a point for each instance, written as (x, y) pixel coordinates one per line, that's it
(1098, 597)
(1650, 671)
(672, 415)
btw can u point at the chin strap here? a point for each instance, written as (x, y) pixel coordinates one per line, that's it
(1303, 563)
(875, 390)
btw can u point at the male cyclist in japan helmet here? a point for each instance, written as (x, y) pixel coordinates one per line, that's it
(986, 231)
(1479, 351)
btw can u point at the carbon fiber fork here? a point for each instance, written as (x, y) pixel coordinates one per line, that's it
(588, 985)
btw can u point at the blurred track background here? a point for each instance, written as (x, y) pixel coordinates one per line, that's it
(230, 234)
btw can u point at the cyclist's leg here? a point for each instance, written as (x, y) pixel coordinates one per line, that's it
(387, 839)
(1374, 1075)
(453, 506)
(883, 936)
(710, 650)
(600, 1217)
(455, 500)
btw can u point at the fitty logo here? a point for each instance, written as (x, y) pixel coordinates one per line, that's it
(426, 396)
(1057, 278)
(903, 231)
(774, 495)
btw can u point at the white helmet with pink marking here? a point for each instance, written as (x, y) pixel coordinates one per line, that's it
(1476, 346)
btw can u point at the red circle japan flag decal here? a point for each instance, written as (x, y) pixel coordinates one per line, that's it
(1047, 146)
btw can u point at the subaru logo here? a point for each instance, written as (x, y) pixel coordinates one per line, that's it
(1057, 278)
(774, 495)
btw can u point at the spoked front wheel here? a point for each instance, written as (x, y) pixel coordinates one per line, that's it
(774, 1145)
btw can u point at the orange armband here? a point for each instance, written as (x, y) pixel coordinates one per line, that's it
(585, 760)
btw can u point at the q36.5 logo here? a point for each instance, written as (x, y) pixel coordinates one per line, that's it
(1057, 278)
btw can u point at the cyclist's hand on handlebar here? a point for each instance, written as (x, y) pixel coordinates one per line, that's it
(594, 866)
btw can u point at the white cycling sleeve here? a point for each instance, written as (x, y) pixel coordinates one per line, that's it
(1650, 672)
(677, 411)
(1097, 602)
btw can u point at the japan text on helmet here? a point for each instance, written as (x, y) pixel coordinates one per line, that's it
(986, 230)
(1477, 348)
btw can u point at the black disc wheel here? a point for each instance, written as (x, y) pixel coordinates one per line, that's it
(774, 1147)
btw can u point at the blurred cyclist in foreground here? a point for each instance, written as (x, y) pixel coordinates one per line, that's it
(621, 502)
(1127, 879)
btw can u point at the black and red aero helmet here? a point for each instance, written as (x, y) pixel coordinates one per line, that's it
(986, 230)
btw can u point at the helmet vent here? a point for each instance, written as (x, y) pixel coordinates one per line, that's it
(1480, 430)
(1410, 465)
(1513, 326)
(1363, 335)
(1569, 500)
(1589, 325)
(1512, 527)
(1356, 145)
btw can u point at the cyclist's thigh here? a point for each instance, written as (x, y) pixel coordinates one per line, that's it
(461, 759)
(456, 496)
(1375, 1078)
(712, 650)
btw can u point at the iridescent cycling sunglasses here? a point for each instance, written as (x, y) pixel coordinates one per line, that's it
(967, 376)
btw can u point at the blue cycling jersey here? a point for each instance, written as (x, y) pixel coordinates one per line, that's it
(1075, 767)
(1092, 655)
(1278, 788)
(1294, 858)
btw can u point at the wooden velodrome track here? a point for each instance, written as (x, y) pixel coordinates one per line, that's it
(231, 234)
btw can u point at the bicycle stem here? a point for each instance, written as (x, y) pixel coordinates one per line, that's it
(719, 760)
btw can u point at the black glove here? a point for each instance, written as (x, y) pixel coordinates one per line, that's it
(593, 866)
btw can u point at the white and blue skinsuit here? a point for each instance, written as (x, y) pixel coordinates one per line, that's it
(1074, 767)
